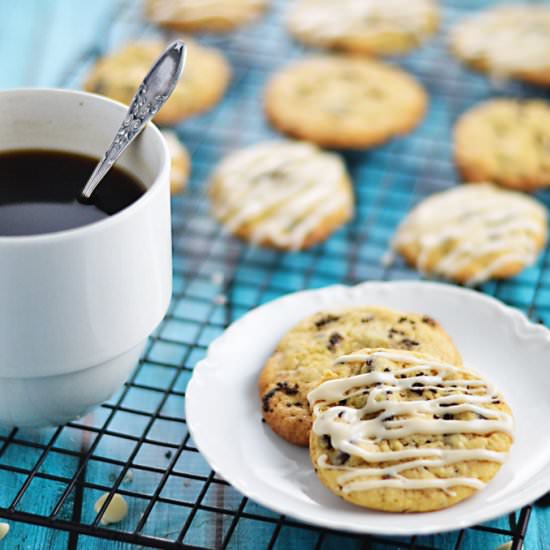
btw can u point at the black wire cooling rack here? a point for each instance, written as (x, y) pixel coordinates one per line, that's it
(137, 443)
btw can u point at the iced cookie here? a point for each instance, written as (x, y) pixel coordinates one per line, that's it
(203, 83)
(473, 233)
(203, 15)
(406, 432)
(371, 27)
(180, 163)
(310, 348)
(505, 141)
(507, 41)
(285, 195)
(344, 102)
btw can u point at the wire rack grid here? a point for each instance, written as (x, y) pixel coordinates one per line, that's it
(137, 443)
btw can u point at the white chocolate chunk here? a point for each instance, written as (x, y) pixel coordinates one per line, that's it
(116, 511)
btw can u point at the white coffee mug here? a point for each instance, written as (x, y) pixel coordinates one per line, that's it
(77, 306)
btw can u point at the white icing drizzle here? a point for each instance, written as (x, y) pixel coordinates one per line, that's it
(349, 433)
(285, 188)
(358, 18)
(196, 10)
(510, 37)
(481, 221)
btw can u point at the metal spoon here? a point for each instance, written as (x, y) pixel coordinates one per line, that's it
(151, 95)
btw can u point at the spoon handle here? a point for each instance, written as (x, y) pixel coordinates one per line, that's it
(152, 93)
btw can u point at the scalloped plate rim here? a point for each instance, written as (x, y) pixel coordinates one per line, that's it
(507, 505)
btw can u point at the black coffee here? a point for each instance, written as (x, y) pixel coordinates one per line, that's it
(39, 192)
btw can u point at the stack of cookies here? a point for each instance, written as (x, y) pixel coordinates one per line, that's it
(392, 418)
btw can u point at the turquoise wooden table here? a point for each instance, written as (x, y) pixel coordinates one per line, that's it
(137, 443)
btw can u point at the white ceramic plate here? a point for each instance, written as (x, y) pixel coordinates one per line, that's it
(223, 408)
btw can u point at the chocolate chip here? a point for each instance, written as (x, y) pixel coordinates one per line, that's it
(340, 414)
(367, 319)
(326, 320)
(402, 320)
(342, 402)
(496, 401)
(448, 416)
(392, 332)
(297, 403)
(341, 458)
(286, 389)
(447, 404)
(326, 441)
(333, 340)
(263, 420)
(429, 321)
(388, 418)
(386, 476)
(282, 387)
(386, 369)
(407, 343)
